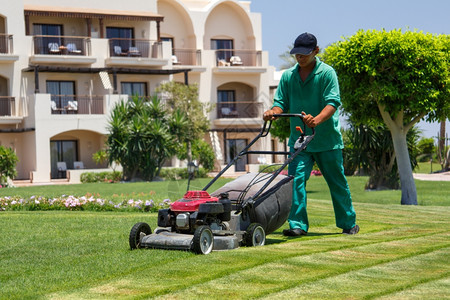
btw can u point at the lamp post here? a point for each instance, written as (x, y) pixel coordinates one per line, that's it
(191, 168)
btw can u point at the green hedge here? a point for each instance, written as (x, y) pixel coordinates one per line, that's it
(91, 177)
(116, 176)
(181, 173)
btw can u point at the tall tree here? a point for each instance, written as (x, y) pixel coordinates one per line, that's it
(397, 78)
(185, 100)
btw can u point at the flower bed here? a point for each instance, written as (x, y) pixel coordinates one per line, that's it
(80, 203)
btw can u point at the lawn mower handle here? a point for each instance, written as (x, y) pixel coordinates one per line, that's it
(301, 116)
(263, 133)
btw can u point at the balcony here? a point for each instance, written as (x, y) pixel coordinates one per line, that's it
(61, 45)
(135, 52)
(186, 57)
(241, 109)
(6, 49)
(238, 58)
(6, 43)
(73, 104)
(61, 50)
(7, 106)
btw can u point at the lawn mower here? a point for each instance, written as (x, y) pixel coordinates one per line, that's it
(240, 213)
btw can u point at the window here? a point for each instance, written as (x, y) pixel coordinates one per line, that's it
(121, 37)
(47, 29)
(51, 35)
(62, 92)
(233, 148)
(62, 151)
(224, 47)
(226, 103)
(134, 88)
(226, 96)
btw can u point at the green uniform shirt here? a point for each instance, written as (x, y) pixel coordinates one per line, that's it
(320, 89)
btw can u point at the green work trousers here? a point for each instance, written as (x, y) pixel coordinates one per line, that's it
(331, 166)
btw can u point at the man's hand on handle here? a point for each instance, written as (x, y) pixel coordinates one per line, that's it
(268, 114)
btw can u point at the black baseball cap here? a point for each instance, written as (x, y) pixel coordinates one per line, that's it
(304, 44)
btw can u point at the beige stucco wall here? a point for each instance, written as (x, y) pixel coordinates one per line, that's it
(192, 23)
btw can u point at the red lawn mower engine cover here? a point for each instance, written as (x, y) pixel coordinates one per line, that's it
(191, 201)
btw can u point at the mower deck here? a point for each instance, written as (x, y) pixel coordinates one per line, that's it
(178, 241)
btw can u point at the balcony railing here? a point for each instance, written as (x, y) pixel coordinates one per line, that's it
(240, 109)
(135, 48)
(7, 106)
(73, 104)
(61, 45)
(238, 58)
(6, 43)
(189, 57)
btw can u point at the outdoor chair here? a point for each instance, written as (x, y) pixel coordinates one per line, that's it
(134, 51)
(72, 105)
(236, 61)
(175, 60)
(118, 51)
(53, 48)
(222, 63)
(78, 165)
(72, 49)
(62, 169)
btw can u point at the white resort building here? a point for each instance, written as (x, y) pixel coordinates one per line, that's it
(64, 64)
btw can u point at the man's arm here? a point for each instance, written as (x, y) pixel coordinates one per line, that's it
(268, 114)
(324, 115)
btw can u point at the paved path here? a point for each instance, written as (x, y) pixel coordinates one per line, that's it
(444, 176)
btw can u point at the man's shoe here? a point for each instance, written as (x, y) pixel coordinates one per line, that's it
(354, 230)
(294, 232)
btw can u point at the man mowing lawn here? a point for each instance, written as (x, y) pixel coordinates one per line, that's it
(311, 88)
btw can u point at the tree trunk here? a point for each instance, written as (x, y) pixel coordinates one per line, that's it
(398, 132)
(409, 192)
(441, 145)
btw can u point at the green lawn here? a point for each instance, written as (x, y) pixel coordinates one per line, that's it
(426, 167)
(401, 252)
(115, 191)
(428, 192)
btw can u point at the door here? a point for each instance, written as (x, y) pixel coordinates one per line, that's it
(234, 147)
(226, 103)
(134, 89)
(51, 35)
(62, 151)
(225, 48)
(62, 95)
(121, 39)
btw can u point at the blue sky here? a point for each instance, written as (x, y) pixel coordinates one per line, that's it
(330, 20)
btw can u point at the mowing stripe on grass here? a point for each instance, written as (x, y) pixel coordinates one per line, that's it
(434, 289)
(374, 281)
(289, 273)
(86, 254)
(218, 275)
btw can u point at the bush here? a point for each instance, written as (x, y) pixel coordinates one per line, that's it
(91, 177)
(166, 173)
(88, 202)
(8, 161)
(181, 173)
(426, 149)
(269, 168)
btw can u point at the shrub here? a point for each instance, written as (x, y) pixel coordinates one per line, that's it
(166, 173)
(91, 177)
(8, 161)
(87, 202)
(181, 173)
